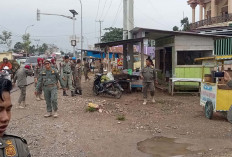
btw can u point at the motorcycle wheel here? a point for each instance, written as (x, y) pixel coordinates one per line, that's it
(95, 91)
(118, 93)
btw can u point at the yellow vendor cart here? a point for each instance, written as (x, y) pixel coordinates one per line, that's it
(216, 95)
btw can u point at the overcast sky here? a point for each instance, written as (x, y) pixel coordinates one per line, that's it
(16, 15)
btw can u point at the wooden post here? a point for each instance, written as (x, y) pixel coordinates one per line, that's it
(131, 54)
(142, 54)
(125, 64)
(108, 59)
(164, 64)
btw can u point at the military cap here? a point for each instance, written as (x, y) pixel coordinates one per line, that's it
(47, 61)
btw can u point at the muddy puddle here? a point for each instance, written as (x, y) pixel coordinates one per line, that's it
(164, 147)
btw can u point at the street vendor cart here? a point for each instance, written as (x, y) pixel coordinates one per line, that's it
(216, 95)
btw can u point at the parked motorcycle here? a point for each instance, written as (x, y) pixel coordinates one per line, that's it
(5, 73)
(108, 87)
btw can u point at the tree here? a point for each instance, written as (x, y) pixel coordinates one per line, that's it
(5, 38)
(112, 34)
(43, 48)
(175, 28)
(26, 42)
(185, 23)
(18, 46)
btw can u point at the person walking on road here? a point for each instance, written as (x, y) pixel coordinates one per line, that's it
(66, 75)
(86, 69)
(21, 77)
(100, 66)
(73, 65)
(148, 74)
(10, 145)
(77, 77)
(53, 64)
(38, 69)
(48, 81)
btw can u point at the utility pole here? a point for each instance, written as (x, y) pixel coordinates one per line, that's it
(100, 22)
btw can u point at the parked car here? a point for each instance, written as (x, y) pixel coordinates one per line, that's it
(32, 60)
(21, 60)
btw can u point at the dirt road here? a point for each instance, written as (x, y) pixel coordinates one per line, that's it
(77, 133)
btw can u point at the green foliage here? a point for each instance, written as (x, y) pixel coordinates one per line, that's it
(43, 48)
(175, 28)
(5, 38)
(91, 109)
(112, 34)
(185, 23)
(18, 46)
(26, 42)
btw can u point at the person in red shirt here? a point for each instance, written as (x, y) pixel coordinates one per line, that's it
(6, 63)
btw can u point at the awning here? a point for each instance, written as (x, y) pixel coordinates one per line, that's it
(121, 42)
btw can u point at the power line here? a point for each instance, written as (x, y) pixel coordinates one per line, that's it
(100, 22)
(103, 10)
(98, 9)
(108, 10)
(116, 16)
(153, 20)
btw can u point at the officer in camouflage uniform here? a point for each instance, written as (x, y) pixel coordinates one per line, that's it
(86, 69)
(77, 77)
(100, 67)
(10, 146)
(38, 69)
(48, 80)
(73, 65)
(53, 64)
(21, 77)
(66, 75)
(148, 74)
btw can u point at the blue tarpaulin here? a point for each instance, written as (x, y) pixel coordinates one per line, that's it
(97, 54)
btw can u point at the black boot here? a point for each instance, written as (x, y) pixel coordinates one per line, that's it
(72, 93)
(76, 92)
(80, 92)
(64, 93)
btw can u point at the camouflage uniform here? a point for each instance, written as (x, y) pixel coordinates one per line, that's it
(48, 81)
(86, 70)
(66, 75)
(77, 78)
(54, 66)
(73, 65)
(13, 146)
(21, 77)
(101, 68)
(37, 71)
(149, 76)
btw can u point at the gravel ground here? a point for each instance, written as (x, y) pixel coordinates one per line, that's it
(77, 133)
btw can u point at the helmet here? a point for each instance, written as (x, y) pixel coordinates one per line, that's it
(5, 58)
(73, 58)
(6, 68)
(66, 57)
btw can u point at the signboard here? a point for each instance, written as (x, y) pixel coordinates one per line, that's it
(208, 93)
(120, 63)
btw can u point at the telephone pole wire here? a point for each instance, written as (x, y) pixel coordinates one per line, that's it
(100, 22)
